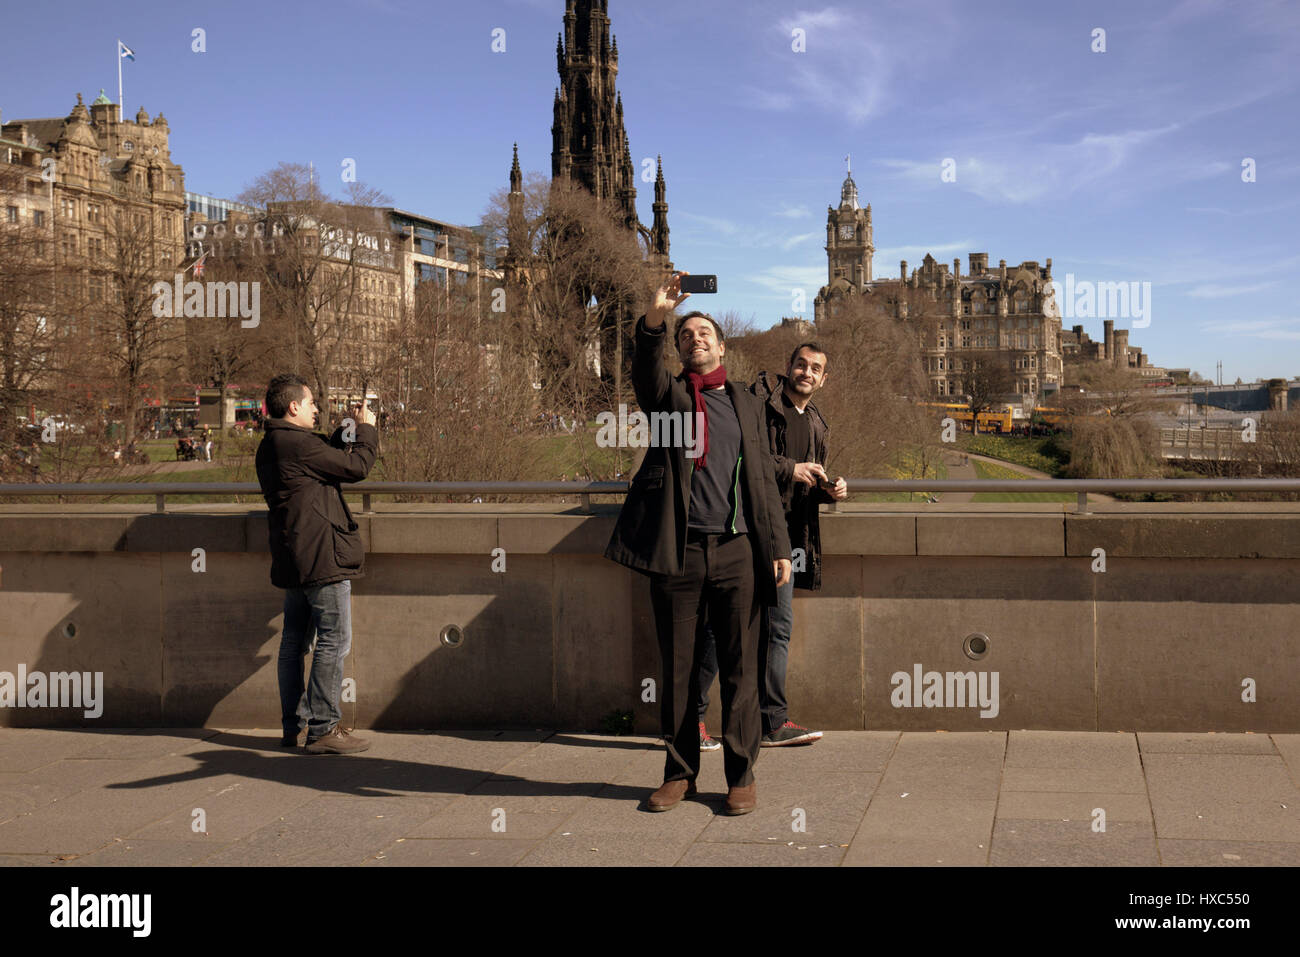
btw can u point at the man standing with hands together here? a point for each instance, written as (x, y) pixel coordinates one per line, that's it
(704, 521)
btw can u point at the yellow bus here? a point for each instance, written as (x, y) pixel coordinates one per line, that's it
(997, 418)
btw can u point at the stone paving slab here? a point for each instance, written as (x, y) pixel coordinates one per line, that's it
(1168, 742)
(1031, 843)
(451, 853)
(1073, 806)
(1183, 853)
(1223, 796)
(881, 798)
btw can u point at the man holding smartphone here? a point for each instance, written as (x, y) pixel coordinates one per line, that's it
(797, 436)
(703, 520)
(316, 551)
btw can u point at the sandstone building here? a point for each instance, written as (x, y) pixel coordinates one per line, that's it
(1005, 315)
(82, 176)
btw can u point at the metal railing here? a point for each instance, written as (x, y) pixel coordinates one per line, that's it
(160, 490)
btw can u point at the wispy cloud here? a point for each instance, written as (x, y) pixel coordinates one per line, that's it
(852, 59)
(1223, 290)
(1284, 329)
(782, 282)
(1025, 175)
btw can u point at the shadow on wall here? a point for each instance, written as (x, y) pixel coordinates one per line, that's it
(162, 637)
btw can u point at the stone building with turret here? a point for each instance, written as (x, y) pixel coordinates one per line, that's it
(1113, 348)
(1005, 315)
(73, 175)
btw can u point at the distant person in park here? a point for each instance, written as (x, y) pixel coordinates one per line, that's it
(707, 529)
(316, 551)
(797, 436)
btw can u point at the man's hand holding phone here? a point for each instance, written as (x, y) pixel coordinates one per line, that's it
(666, 298)
(362, 413)
(810, 473)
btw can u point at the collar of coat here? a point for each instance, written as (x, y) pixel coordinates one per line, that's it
(774, 392)
(269, 423)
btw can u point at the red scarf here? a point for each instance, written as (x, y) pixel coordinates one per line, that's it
(709, 381)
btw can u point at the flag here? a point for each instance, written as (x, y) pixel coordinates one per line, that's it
(198, 266)
(125, 51)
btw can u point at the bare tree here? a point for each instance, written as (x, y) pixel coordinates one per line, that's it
(315, 273)
(30, 357)
(143, 337)
(986, 378)
(583, 280)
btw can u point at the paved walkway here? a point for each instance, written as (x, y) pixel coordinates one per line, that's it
(961, 465)
(178, 797)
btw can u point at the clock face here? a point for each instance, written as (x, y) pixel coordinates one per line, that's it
(128, 145)
(846, 232)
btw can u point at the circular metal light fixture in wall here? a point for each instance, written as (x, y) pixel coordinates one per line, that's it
(69, 629)
(451, 636)
(975, 646)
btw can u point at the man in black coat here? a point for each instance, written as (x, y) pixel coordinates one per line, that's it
(797, 438)
(703, 520)
(316, 551)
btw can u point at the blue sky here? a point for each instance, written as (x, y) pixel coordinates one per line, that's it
(1122, 166)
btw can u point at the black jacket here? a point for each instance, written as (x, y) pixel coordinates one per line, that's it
(314, 539)
(650, 535)
(799, 500)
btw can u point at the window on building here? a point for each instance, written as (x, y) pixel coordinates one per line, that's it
(38, 217)
(13, 214)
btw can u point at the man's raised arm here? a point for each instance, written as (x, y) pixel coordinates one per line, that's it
(650, 378)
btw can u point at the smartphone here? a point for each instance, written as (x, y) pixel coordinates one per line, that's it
(699, 284)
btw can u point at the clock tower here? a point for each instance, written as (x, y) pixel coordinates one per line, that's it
(848, 238)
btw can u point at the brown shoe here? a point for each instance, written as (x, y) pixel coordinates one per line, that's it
(670, 794)
(741, 800)
(338, 740)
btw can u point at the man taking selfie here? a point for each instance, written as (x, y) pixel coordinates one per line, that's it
(705, 524)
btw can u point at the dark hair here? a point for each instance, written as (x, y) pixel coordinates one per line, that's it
(806, 345)
(701, 315)
(284, 388)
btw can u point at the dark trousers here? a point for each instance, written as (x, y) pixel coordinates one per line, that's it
(775, 626)
(718, 584)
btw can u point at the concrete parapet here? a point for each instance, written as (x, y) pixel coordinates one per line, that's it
(1189, 627)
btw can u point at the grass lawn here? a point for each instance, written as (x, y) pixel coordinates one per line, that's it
(987, 470)
(934, 470)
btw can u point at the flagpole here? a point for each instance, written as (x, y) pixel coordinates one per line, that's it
(120, 105)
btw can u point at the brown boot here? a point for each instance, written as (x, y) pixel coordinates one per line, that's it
(338, 740)
(741, 800)
(670, 794)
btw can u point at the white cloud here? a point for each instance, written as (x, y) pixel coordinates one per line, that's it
(799, 240)
(781, 279)
(1223, 291)
(1030, 174)
(1272, 329)
(854, 58)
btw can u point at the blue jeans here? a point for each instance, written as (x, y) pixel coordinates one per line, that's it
(322, 613)
(773, 655)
